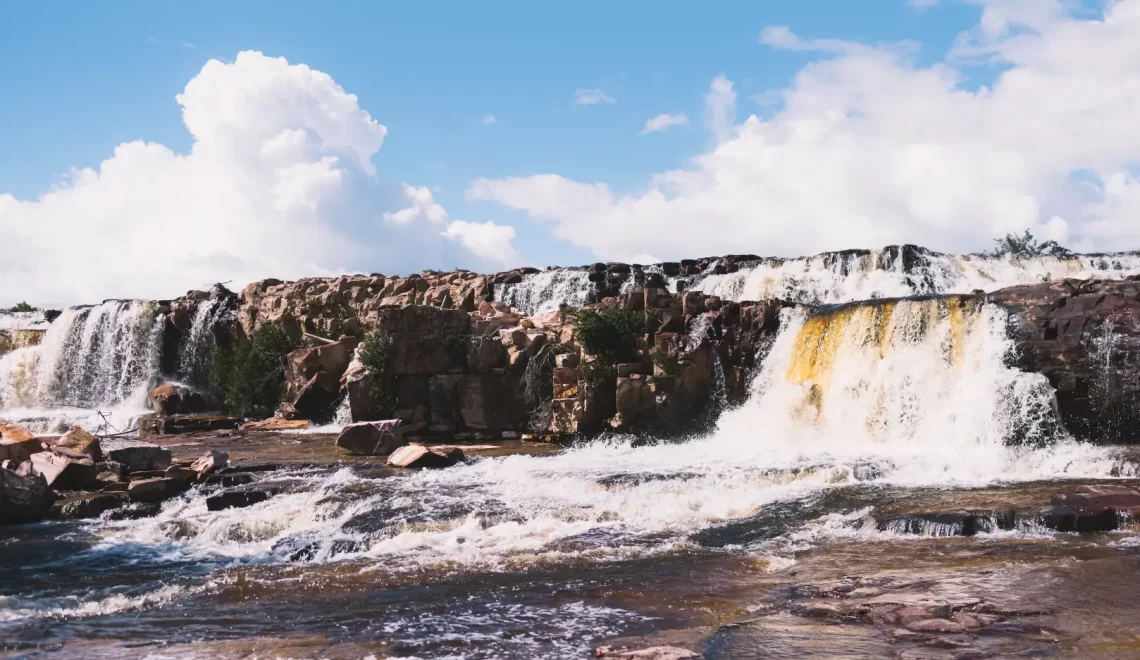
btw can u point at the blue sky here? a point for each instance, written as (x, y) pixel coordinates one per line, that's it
(940, 122)
(93, 75)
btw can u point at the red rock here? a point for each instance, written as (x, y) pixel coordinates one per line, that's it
(209, 462)
(372, 438)
(418, 456)
(63, 473)
(81, 442)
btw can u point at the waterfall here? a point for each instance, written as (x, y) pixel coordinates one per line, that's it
(198, 347)
(899, 272)
(102, 357)
(835, 277)
(922, 375)
(544, 292)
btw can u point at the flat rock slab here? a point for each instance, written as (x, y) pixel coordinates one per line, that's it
(154, 490)
(136, 455)
(178, 424)
(229, 479)
(418, 456)
(64, 473)
(276, 424)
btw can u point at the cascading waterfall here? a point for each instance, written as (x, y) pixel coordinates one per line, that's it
(837, 277)
(906, 392)
(101, 357)
(903, 373)
(843, 277)
(543, 292)
(198, 347)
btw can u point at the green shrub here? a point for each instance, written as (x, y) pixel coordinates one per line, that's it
(1026, 246)
(667, 363)
(610, 334)
(249, 374)
(375, 355)
(22, 307)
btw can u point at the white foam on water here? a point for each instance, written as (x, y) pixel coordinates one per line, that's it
(94, 605)
(540, 293)
(10, 321)
(922, 398)
(831, 278)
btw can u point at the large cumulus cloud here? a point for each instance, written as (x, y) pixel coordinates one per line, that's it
(279, 182)
(868, 148)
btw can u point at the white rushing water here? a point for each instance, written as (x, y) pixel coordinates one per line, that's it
(914, 393)
(198, 347)
(10, 321)
(544, 292)
(101, 358)
(839, 278)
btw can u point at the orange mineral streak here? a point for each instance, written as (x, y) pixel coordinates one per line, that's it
(879, 326)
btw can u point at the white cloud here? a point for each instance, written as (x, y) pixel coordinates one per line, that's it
(592, 97)
(663, 123)
(720, 108)
(488, 118)
(869, 148)
(489, 241)
(277, 183)
(187, 44)
(423, 208)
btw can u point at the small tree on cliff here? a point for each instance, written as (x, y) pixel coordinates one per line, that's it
(249, 374)
(375, 355)
(1026, 246)
(22, 307)
(609, 334)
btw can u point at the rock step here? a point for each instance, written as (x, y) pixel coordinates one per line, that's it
(1089, 509)
(245, 496)
(88, 506)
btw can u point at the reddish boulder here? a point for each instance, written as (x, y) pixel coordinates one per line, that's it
(372, 438)
(418, 456)
(23, 499)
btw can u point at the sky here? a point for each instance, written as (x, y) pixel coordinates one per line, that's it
(153, 147)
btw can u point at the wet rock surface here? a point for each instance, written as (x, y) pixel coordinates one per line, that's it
(1084, 335)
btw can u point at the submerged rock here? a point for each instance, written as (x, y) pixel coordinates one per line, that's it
(245, 496)
(23, 499)
(89, 506)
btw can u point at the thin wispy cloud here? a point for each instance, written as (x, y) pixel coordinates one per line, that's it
(488, 118)
(592, 97)
(663, 122)
(187, 44)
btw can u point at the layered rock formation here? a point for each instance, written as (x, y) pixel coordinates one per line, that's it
(1084, 335)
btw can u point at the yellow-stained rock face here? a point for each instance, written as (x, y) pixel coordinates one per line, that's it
(11, 340)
